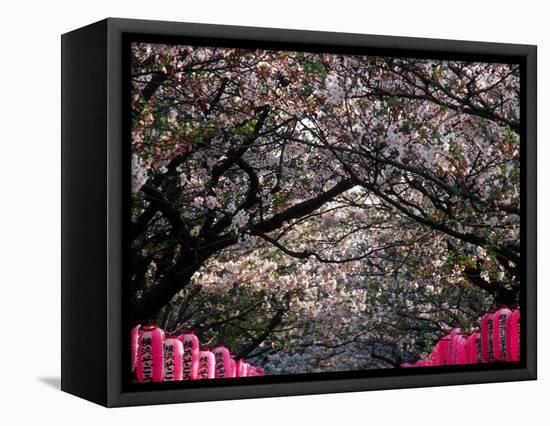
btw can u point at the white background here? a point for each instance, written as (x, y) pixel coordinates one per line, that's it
(30, 210)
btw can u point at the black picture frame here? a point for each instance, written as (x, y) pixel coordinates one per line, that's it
(95, 173)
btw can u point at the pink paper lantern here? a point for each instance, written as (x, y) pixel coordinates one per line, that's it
(241, 368)
(431, 358)
(223, 362)
(134, 333)
(474, 349)
(487, 346)
(500, 322)
(191, 353)
(207, 365)
(454, 345)
(463, 352)
(233, 371)
(513, 338)
(260, 371)
(443, 351)
(467, 350)
(172, 360)
(435, 354)
(150, 363)
(458, 350)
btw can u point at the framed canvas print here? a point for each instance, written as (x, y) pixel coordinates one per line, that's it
(252, 212)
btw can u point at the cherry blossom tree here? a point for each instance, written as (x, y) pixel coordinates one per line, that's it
(319, 211)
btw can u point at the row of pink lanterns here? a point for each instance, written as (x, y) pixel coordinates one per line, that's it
(156, 358)
(497, 341)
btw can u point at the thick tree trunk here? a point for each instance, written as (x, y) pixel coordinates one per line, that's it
(502, 295)
(175, 279)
